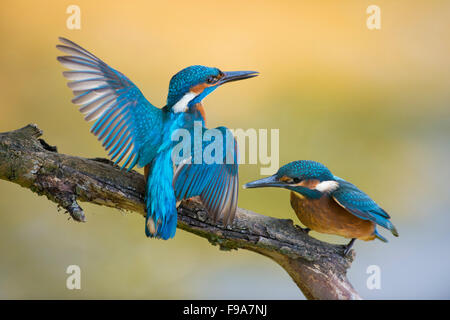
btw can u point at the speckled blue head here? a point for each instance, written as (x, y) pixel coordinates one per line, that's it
(291, 176)
(192, 84)
(305, 170)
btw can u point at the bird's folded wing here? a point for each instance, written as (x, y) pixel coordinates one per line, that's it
(215, 183)
(124, 119)
(361, 205)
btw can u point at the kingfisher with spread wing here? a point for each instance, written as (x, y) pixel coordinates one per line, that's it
(134, 132)
(326, 203)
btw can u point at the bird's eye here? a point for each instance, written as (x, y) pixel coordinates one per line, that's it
(211, 79)
(296, 180)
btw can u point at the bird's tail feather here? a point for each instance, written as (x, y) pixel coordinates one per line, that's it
(385, 223)
(379, 236)
(161, 220)
(162, 231)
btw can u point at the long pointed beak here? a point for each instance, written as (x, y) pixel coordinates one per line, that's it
(271, 181)
(236, 75)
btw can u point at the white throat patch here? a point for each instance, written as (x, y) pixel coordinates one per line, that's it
(327, 186)
(182, 104)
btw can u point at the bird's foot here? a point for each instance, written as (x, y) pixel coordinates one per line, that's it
(305, 230)
(349, 246)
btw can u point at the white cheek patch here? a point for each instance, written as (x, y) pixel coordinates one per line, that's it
(327, 186)
(182, 104)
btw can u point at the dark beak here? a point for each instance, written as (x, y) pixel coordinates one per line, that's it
(271, 181)
(236, 75)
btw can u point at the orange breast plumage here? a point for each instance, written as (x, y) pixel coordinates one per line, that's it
(326, 216)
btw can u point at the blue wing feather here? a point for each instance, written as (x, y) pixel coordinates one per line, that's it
(127, 123)
(215, 183)
(361, 205)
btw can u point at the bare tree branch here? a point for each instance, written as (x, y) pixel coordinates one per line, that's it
(318, 268)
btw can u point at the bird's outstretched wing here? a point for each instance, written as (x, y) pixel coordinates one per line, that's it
(124, 119)
(215, 183)
(361, 205)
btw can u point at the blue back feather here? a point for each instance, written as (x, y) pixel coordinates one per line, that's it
(361, 205)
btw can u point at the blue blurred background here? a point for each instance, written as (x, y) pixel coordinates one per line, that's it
(371, 105)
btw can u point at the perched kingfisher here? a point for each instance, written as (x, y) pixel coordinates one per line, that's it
(326, 203)
(137, 133)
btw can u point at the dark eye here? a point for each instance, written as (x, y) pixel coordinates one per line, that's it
(211, 79)
(296, 180)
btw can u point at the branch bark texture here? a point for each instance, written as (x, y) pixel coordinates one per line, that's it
(318, 268)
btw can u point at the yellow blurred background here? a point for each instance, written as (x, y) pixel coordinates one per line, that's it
(372, 105)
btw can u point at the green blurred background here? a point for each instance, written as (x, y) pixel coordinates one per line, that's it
(371, 105)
